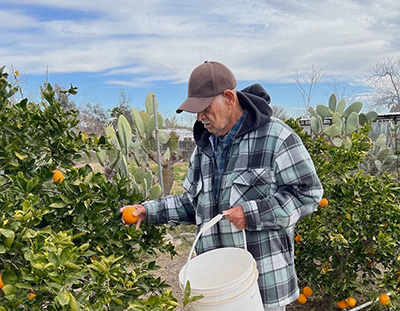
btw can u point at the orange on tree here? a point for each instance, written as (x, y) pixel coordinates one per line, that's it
(128, 217)
(302, 299)
(57, 176)
(298, 238)
(351, 302)
(1, 282)
(384, 299)
(307, 291)
(342, 304)
(31, 296)
(323, 203)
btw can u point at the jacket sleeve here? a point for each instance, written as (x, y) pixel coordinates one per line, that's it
(297, 189)
(175, 208)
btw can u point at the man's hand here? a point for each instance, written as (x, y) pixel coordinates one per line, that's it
(140, 212)
(236, 216)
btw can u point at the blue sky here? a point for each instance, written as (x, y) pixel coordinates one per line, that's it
(105, 47)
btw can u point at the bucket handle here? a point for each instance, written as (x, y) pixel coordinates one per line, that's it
(206, 227)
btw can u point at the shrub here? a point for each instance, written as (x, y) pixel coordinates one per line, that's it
(63, 245)
(354, 242)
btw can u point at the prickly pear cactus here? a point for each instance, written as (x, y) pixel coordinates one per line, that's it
(384, 155)
(343, 121)
(146, 139)
(115, 160)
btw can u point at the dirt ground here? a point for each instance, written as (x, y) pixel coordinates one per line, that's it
(170, 269)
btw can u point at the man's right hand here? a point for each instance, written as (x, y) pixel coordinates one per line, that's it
(140, 212)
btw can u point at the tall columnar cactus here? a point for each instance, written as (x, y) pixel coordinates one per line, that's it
(115, 159)
(343, 121)
(145, 139)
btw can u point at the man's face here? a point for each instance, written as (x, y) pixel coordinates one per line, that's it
(216, 117)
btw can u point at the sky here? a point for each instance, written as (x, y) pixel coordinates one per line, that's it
(136, 47)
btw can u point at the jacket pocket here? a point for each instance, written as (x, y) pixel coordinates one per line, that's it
(252, 184)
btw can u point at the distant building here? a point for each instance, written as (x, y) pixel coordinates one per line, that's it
(186, 142)
(386, 117)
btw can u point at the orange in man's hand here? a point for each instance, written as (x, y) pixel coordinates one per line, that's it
(128, 217)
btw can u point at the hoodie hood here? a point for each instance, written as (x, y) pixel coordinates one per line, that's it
(255, 100)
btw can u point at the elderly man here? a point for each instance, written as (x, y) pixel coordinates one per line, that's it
(249, 166)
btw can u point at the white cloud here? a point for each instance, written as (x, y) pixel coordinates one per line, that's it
(141, 42)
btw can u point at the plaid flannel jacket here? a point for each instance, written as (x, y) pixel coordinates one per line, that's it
(271, 175)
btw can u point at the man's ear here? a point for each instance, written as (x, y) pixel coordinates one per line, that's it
(230, 96)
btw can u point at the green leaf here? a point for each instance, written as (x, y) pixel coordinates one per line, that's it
(58, 205)
(9, 289)
(20, 156)
(63, 297)
(72, 303)
(7, 233)
(32, 184)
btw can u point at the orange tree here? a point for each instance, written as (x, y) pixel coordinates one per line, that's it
(62, 243)
(354, 241)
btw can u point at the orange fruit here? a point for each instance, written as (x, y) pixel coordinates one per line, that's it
(351, 302)
(57, 176)
(302, 299)
(323, 203)
(342, 304)
(384, 299)
(298, 238)
(1, 282)
(128, 217)
(31, 296)
(307, 291)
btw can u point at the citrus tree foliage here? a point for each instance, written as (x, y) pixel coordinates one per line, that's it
(62, 244)
(354, 242)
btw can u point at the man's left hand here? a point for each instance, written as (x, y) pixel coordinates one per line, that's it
(236, 216)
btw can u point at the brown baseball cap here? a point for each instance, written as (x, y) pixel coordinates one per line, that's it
(207, 81)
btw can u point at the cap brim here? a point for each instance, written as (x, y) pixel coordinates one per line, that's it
(195, 104)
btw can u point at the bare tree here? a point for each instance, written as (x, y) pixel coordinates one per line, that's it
(279, 112)
(307, 85)
(385, 81)
(93, 119)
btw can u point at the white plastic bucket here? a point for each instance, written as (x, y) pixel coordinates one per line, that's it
(226, 277)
